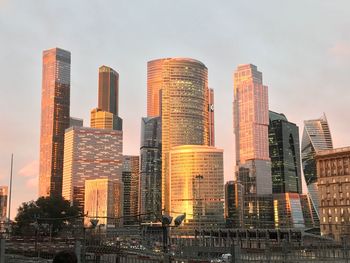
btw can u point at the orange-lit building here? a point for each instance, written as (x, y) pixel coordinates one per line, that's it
(55, 101)
(197, 185)
(211, 129)
(90, 154)
(177, 90)
(3, 204)
(108, 90)
(104, 201)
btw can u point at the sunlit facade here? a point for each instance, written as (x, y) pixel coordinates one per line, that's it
(197, 185)
(284, 154)
(150, 201)
(90, 154)
(55, 102)
(101, 119)
(130, 178)
(3, 204)
(104, 201)
(251, 114)
(333, 178)
(177, 90)
(253, 165)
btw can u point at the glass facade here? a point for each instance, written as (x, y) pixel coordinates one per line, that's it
(90, 154)
(197, 185)
(177, 90)
(151, 169)
(108, 90)
(285, 154)
(130, 177)
(104, 201)
(55, 103)
(233, 204)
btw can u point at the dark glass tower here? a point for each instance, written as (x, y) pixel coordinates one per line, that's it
(151, 168)
(284, 154)
(55, 103)
(108, 90)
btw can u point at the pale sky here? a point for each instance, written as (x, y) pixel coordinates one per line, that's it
(302, 48)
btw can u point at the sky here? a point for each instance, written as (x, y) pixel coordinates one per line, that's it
(301, 47)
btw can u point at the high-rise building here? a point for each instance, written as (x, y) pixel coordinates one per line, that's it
(55, 101)
(233, 204)
(90, 154)
(316, 137)
(310, 217)
(3, 204)
(211, 117)
(76, 122)
(108, 90)
(151, 169)
(253, 166)
(177, 90)
(284, 154)
(197, 185)
(105, 120)
(104, 201)
(333, 177)
(131, 177)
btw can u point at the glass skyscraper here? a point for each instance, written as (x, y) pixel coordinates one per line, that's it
(55, 103)
(177, 90)
(151, 168)
(284, 154)
(108, 90)
(253, 166)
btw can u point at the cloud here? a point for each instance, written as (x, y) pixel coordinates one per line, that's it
(32, 183)
(341, 49)
(30, 169)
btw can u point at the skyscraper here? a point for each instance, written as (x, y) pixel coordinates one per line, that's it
(55, 101)
(197, 185)
(131, 177)
(233, 205)
(177, 90)
(316, 137)
(151, 168)
(284, 154)
(253, 166)
(90, 154)
(108, 90)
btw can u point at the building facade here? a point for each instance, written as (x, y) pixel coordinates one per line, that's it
(316, 137)
(55, 103)
(104, 201)
(253, 166)
(151, 169)
(90, 154)
(233, 204)
(197, 185)
(211, 118)
(105, 120)
(334, 191)
(3, 204)
(177, 90)
(108, 90)
(130, 178)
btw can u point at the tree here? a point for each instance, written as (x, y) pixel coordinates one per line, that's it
(46, 212)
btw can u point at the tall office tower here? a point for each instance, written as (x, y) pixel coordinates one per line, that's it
(151, 169)
(310, 218)
(55, 99)
(197, 185)
(211, 128)
(108, 90)
(284, 154)
(333, 177)
(76, 122)
(90, 154)
(104, 201)
(316, 137)
(3, 205)
(251, 120)
(130, 177)
(233, 205)
(180, 87)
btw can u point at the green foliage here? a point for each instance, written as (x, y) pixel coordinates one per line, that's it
(47, 214)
